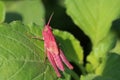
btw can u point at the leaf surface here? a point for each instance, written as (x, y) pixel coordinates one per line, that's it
(20, 56)
(28, 11)
(2, 11)
(94, 17)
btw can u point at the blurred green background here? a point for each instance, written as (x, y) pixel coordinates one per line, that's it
(60, 20)
(95, 24)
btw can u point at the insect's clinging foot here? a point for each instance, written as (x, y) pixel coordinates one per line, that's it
(38, 38)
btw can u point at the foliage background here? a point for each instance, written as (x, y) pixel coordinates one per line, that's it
(87, 31)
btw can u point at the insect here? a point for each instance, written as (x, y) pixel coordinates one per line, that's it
(54, 53)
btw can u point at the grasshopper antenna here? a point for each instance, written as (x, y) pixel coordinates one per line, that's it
(50, 18)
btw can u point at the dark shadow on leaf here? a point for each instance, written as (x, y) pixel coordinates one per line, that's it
(12, 16)
(116, 27)
(102, 78)
(112, 66)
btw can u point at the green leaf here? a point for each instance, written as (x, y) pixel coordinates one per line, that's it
(94, 77)
(99, 51)
(110, 67)
(21, 58)
(117, 48)
(70, 46)
(94, 17)
(31, 11)
(2, 11)
(88, 77)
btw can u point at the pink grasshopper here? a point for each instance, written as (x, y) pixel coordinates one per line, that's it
(54, 53)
